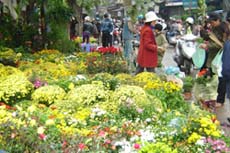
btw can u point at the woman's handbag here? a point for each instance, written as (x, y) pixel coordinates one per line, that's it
(216, 64)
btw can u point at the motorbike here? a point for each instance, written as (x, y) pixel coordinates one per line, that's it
(185, 48)
(171, 37)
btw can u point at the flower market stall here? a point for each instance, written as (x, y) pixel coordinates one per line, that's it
(53, 102)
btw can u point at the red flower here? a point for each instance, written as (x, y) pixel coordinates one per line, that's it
(105, 50)
(202, 72)
(8, 107)
(42, 136)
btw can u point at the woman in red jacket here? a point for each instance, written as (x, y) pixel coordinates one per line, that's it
(147, 54)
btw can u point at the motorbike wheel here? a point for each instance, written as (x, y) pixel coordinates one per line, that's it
(187, 67)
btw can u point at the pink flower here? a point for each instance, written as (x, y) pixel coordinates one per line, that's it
(137, 146)
(64, 144)
(139, 110)
(107, 141)
(81, 146)
(102, 133)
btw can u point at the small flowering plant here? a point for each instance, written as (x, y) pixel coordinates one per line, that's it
(48, 94)
(216, 145)
(14, 87)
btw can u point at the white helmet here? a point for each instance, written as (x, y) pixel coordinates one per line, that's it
(87, 18)
(190, 20)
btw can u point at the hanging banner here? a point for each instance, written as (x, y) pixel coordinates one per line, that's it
(190, 4)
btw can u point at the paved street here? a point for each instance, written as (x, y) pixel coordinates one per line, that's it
(222, 113)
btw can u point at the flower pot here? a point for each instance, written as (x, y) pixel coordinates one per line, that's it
(187, 95)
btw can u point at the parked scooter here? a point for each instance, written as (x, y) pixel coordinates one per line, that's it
(172, 36)
(185, 48)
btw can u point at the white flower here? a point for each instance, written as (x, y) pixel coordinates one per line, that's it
(200, 142)
(148, 120)
(40, 130)
(80, 77)
(14, 114)
(134, 138)
(50, 122)
(147, 136)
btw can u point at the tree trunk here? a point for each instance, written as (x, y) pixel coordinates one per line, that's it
(42, 25)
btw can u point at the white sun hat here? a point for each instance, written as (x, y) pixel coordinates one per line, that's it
(151, 16)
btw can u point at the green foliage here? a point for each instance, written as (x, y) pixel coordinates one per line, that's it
(7, 29)
(158, 147)
(58, 15)
(203, 80)
(173, 101)
(58, 38)
(188, 83)
(109, 82)
(58, 12)
(133, 10)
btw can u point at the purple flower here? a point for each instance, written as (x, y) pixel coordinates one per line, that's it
(37, 83)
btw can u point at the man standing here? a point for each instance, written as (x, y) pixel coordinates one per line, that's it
(107, 31)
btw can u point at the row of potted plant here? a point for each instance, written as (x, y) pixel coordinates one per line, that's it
(58, 110)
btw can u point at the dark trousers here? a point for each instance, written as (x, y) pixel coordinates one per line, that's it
(106, 39)
(221, 90)
(86, 36)
(141, 69)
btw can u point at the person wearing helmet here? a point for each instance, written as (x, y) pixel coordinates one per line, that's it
(87, 29)
(189, 25)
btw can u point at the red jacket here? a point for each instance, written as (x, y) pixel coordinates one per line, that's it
(147, 54)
